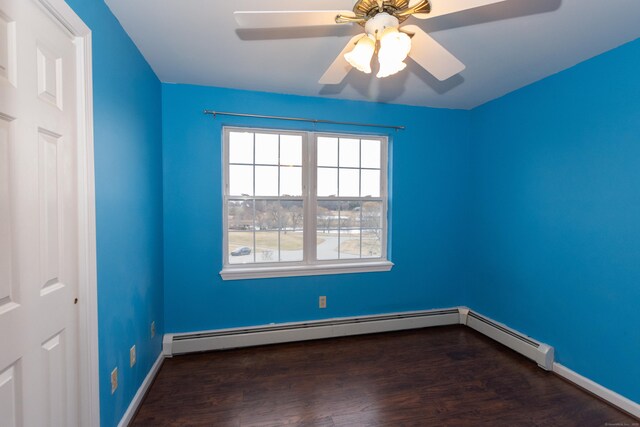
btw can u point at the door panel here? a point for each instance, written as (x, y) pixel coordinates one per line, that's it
(38, 219)
(10, 396)
(6, 258)
(55, 377)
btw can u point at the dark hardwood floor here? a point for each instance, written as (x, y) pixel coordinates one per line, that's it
(446, 376)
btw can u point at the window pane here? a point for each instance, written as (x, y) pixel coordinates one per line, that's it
(240, 215)
(327, 151)
(240, 180)
(327, 244)
(372, 243)
(349, 183)
(291, 245)
(371, 215)
(327, 182)
(349, 244)
(269, 215)
(266, 149)
(370, 186)
(293, 215)
(266, 246)
(291, 181)
(291, 150)
(370, 154)
(350, 214)
(240, 147)
(266, 180)
(327, 225)
(240, 247)
(349, 152)
(328, 216)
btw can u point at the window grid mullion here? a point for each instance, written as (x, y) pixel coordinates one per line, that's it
(253, 135)
(339, 194)
(338, 172)
(361, 206)
(359, 167)
(310, 226)
(360, 193)
(280, 206)
(339, 231)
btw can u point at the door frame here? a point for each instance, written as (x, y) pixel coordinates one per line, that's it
(88, 374)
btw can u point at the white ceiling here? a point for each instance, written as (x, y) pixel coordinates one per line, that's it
(505, 46)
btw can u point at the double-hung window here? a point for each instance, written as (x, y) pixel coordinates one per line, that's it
(303, 203)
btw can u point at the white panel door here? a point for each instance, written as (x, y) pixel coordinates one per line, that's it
(38, 219)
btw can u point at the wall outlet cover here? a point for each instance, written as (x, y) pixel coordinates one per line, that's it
(322, 302)
(132, 356)
(114, 380)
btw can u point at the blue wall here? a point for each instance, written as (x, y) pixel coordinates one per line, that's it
(556, 185)
(429, 193)
(128, 165)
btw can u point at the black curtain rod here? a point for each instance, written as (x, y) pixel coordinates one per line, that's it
(298, 119)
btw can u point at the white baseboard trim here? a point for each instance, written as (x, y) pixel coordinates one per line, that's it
(602, 392)
(137, 399)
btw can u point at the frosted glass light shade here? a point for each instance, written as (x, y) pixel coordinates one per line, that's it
(360, 56)
(394, 48)
(389, 68)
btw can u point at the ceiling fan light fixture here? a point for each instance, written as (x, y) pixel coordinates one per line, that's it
(360, 56)
(394, 48)
(388, 69)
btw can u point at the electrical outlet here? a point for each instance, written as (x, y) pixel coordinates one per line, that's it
(153, 329)
(322, 302)
(132, 356)
(114, 380)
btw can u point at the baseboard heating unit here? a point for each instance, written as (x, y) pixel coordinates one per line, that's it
(540, 353)
(221, 339)
(301, 331)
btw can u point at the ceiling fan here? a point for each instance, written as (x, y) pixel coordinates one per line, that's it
(381, 20)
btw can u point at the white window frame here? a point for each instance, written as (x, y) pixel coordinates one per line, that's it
(309, 266)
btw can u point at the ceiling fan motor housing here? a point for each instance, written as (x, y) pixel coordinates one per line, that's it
(369, 8)
(366, 10)
(379, 22)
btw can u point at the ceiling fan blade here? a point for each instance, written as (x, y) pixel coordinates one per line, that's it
(339, 68)
(445, 7)
(430, 54)
(288, 18)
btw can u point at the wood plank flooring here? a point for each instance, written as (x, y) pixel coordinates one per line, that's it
(445, 376)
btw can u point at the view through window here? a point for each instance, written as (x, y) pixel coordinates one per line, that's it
(299, 198)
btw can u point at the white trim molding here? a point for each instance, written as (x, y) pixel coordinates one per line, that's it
(231, 273)
(89, 392)
(142, 390)
(602, 392)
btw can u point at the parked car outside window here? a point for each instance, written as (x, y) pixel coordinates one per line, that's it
(243, 250)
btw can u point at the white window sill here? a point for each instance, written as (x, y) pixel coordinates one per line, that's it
(244, 272)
